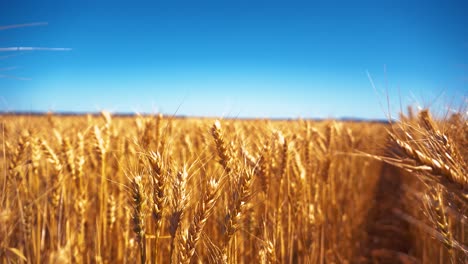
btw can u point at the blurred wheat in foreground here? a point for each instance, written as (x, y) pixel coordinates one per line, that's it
(151, 189)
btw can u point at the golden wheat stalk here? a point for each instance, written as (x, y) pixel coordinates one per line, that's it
(158, 178)
(241, 195)
(221, 147)
(435, 208)
(203, 211)
(179, 203)
(138, 216)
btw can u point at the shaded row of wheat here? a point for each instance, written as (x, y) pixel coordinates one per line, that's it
(434, 157)
(152, 189)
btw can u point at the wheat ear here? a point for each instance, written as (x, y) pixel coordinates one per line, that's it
(138, 200)
(203, 211)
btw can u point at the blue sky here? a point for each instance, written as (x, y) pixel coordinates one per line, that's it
(234, 58)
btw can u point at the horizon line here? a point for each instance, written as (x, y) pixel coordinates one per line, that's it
(182, 116)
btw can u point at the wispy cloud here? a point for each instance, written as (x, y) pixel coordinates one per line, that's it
(8, 68)
(33, 49)
(14, 77)
(11, 55)
(35, 24)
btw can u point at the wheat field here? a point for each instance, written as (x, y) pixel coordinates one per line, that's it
(160, 189)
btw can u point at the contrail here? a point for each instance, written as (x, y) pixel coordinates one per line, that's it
(23, 25)
(33, 48)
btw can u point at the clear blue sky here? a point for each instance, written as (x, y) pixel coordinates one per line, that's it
(233, 58)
